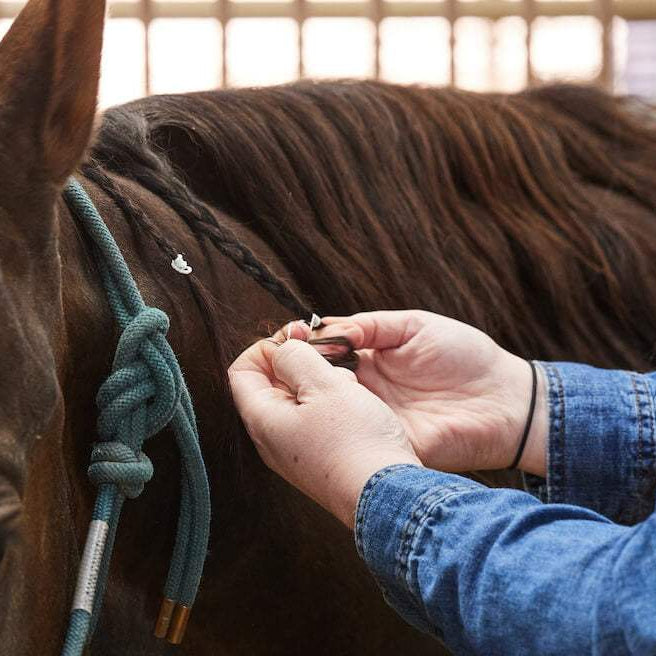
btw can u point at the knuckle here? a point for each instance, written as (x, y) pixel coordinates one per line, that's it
(287, 350)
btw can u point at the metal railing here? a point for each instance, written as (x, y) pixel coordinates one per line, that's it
(376, 11)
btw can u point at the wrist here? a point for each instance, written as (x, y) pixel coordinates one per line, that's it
(355, 477)
(519, 379)
(534, 458)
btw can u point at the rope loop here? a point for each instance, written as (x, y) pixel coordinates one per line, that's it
(117, 463)
(146, 324)
(145, 378)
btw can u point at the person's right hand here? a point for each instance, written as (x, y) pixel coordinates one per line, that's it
(463, 400)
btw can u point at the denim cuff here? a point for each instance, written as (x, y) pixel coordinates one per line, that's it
(392, 508)
(536, 485)
(601, 450)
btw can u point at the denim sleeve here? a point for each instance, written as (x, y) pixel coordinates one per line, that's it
(602, 447)
(496, 572)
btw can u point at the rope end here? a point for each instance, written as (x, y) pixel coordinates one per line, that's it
(164, 618)
(178, 624)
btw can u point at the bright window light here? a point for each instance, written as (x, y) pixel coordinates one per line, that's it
(415, 50)
(185, 54)
(262, 51)
(338, 47)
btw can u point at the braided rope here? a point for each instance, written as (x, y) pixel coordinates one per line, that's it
(144, 393)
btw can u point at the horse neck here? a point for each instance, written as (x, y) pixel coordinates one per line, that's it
(261, 527)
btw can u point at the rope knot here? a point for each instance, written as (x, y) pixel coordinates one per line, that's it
(142, 393)
(148, 324)
(117, 463)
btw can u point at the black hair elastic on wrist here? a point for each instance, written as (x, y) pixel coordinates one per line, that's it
(529, 419)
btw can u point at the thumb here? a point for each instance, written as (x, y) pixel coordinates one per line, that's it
(380, 330)
(300, 366)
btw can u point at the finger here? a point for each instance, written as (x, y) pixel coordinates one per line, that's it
(254, 395)
(384, 329)
(347, 374)
(293, 330)
(351, 331)
(258, 356)
(299, 366)
(369, 375)
(253, 384)
(252, 372)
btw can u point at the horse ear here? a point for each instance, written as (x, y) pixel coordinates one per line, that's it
(49, 72)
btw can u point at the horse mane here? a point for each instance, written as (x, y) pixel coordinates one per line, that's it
(531, 216)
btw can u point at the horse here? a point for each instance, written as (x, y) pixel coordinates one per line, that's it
(531, 216)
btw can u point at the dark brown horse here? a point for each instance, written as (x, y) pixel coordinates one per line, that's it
(531, 216)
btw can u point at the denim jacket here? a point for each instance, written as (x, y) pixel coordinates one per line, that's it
(569, 568)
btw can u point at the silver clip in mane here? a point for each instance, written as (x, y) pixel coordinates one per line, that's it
(315, 321)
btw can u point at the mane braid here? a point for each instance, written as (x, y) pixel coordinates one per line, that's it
(127, 207)
(133, 212)
(133, 158)
(346, 358)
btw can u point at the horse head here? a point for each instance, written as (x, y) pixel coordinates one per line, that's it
(49, 69)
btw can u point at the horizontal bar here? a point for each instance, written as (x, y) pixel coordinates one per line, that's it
(628, 9)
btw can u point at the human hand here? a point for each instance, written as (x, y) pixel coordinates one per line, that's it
(462, 399)
(313, 423)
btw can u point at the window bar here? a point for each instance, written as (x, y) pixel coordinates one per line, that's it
(605, 14)
(452, 16)
(146, 17)
(634, 10)
(377, 17)
(222, 15)
(529, 17)
(300, 21)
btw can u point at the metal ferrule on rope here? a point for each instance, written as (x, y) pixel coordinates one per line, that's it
(144, 394)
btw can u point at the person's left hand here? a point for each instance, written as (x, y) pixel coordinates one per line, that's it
(313, 423)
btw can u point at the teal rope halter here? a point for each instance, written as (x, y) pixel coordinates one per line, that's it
(144, 393)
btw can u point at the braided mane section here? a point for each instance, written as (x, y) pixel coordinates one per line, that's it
(134, 159)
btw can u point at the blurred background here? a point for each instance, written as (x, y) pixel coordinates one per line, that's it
(161, 46)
